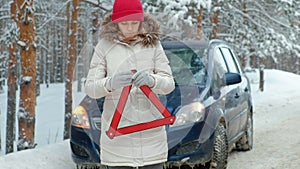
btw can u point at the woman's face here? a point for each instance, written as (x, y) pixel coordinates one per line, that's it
(129, 28)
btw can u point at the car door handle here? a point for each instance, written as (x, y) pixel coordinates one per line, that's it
(246, 89)
(236, 95)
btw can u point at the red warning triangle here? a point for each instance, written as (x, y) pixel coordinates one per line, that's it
(115, 131)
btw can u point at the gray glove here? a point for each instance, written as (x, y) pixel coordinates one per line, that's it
(143, 78)
(119, 80)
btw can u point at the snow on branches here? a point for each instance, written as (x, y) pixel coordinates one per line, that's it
(11, 34)
(180, 10)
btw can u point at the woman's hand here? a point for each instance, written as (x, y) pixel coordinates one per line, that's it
(119, 80)
(143, 78)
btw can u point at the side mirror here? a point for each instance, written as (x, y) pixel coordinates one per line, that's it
(232, 78)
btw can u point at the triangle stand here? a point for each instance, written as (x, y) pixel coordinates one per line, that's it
(115, 131)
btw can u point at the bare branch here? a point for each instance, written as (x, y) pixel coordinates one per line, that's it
(268, 16)
(247, 16)
(96, 4)
(5, 17)
(53, 17)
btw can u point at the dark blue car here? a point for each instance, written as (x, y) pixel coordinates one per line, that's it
(211, 101)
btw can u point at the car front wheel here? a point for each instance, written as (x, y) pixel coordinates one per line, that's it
(220, 153)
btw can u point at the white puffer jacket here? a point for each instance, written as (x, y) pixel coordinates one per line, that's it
(111, 55)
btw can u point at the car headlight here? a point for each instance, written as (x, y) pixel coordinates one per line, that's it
(190, 113)
(80, 118)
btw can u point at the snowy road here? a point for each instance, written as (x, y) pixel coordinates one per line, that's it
(276, 134)
(277, 139)
(276, 127)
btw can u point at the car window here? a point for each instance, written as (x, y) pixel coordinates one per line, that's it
(237, 61)
(187, 65)
(219, 70)
(219, 60)
(232, 66)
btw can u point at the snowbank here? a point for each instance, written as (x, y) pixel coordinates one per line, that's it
(55, 156)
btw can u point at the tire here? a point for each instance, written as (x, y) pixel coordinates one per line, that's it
(246, 142)
(220, 152)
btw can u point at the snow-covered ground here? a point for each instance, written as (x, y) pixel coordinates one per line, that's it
(276, 125)
(49, 115)
(53, 156)
(276, 121)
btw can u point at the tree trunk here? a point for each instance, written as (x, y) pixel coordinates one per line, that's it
(28, 78)
(279, 63)
(215, 22)
(68, 13)
(11, 92)
(59, 58)
(244, 59)
(79, 64)
(70, 68)
(261, 78)
(95, 27)
(38, 72)
(48, 63)
(199, 24)
(297, 65)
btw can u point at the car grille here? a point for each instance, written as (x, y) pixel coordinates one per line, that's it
(78, 150)
(97, 122)
(188, 148)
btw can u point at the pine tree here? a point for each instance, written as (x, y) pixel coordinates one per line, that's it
(11, 92)
(70, 68)
(27, 45)
(216, 11)
(199, 23)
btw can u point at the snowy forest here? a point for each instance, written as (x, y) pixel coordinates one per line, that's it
(44, 42)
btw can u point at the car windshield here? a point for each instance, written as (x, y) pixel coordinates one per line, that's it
(188, 65)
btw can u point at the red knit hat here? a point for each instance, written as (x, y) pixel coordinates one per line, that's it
(127, 10)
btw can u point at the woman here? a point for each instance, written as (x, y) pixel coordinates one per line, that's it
(129, 42)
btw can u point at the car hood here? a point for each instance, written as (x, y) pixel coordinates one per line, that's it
(180, 96)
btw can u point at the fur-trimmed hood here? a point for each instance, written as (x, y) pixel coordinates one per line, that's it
(148, 35)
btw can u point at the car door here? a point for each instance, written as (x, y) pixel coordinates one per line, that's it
(237, 100)
(245, 94)
(231, 100)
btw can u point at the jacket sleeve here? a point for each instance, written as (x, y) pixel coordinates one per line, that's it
(164, 82)
(96, 78)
